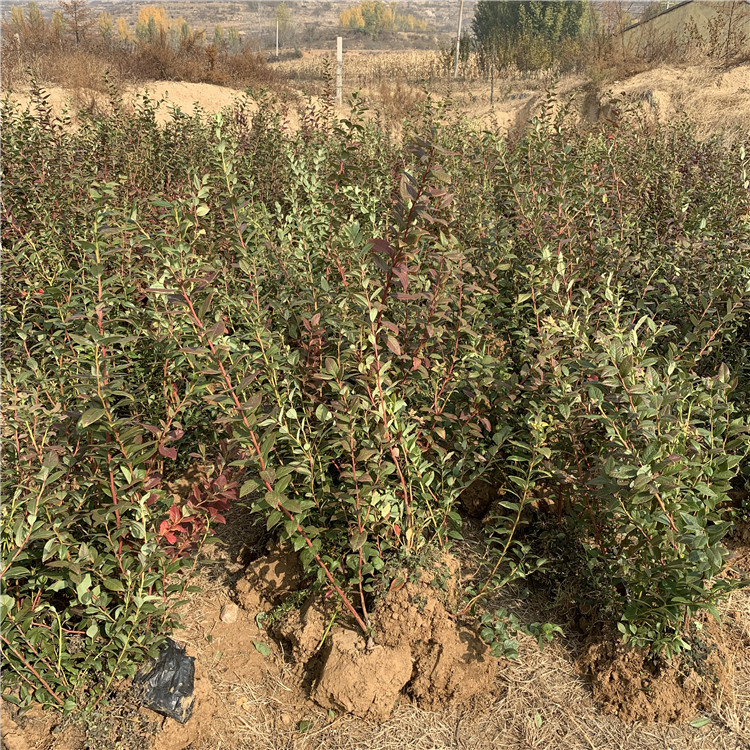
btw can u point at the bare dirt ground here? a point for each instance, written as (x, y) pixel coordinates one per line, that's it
(544, 700)
(188, 97)
(301, 681)
(712, 98)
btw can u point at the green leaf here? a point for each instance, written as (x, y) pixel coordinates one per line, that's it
(7, 603)
(290, 504)
(90, 416)
(83, 587)
(247, 487)
(304, 725)
(17, 571)
(274, 499)
(268, 475)
(358, 540)
(700, 722)
(262, 648)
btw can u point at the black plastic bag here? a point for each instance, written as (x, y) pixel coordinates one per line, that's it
(168, 682)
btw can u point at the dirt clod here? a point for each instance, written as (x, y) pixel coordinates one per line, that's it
(625, 682)
(476, 499)
(305, 628)
(13, 737)
(229, 613)
(364, 683)
(275, 576)
(451, 663)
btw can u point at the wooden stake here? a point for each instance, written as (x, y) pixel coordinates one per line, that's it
(458, 37)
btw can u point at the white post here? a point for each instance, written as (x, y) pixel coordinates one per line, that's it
(277, 37)
(458, 37)
(339, 67)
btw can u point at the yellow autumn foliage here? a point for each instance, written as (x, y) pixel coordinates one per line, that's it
(375, 16)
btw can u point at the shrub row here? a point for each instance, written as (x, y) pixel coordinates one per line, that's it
(350, 330)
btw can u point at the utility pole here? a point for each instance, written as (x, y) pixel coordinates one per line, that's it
(458, 37)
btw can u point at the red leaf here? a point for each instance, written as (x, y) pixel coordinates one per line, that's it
(168, 452)
(175, 514)
(382, 246)
(163, 528)
(218, 518)
(217, 329)
(393, 345)
(397, 529)
(485, 423)
(170, 537)
(416, 362)
(402, 272)
(153, 481)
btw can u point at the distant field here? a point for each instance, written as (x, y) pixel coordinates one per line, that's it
(312, 21)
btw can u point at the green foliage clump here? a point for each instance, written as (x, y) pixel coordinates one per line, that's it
(351, 330)
(531, 34)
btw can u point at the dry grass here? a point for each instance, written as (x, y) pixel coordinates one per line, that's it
(95, 67)
(539, 701)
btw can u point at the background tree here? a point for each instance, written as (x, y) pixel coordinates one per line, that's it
(283, 17)
(220, 39)
(28, 29)
(106, 28)
(233, 39)
(527, 32)
(57, 28)
(123, 32)
(375, 16)
(35, 21)
(78, 17)
(553, 19)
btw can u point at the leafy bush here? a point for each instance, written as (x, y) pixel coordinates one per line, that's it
(350, 330)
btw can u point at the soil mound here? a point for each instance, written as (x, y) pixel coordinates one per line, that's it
(625, 682)
(451, 663)
(274, 576)
(361, 681)
(421, 652)
(418, 650)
